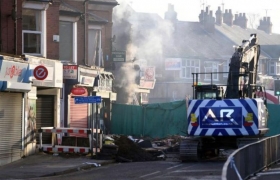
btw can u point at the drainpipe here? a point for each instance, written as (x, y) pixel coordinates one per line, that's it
(15, 27)
(0, 25)
(85, 40)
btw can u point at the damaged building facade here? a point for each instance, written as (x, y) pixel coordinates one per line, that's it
(69, 41)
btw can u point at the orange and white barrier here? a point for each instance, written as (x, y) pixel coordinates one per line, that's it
(59, 131)
(70, 149)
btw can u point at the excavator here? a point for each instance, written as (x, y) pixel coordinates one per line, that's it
(229, 116)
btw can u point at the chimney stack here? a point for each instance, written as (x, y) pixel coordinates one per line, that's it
(228, 17)
(207, 20)
(266, 25)
(244, 21)
(171, 14)
(219, 16)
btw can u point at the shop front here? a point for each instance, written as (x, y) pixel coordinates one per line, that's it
(43, 102)
(78, 81)
(103, 87)
(14, 86)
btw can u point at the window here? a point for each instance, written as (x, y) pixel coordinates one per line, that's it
(211, 67)
(277, 68)
(225, 69)
(32, 29)
(260, 67)
(189, 67)
(94, 46)
(66, 41)
(274, 68)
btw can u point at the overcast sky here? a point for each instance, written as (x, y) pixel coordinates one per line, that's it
(188, 10)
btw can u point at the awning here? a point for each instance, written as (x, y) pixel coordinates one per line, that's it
(107, 76)
(103, 76)
(16, 86)
(112, 76)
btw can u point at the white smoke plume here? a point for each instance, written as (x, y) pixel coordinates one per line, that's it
(142, 36)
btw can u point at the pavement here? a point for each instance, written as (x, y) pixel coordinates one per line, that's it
(44, 164)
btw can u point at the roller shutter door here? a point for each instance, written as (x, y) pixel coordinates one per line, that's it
(78, 116)
(10, 127)
(45, 116)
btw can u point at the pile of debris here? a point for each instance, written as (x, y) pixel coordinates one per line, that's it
(129, 149)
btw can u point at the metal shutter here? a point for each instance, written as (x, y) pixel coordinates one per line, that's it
(78, 116)
(45, 116)
(10, 127)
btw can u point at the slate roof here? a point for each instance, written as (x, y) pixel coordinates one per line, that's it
(67, 9)
(270, 43)
(94, 18)
(192, 41)
(64, 7)
(112, 2)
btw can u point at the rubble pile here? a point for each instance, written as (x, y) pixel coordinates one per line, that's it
(130, 151)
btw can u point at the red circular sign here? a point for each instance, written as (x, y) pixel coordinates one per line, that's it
(78, 90)
(40, 72)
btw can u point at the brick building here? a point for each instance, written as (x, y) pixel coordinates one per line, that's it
(71, 39)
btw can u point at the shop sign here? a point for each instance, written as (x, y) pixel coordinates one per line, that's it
(87, 76)
(13, 71)
(78, 90)
(40, 72)
(50, 75)
(173, 64)
(149, 73)
(70, 71)
(54, 68)
(119, 56)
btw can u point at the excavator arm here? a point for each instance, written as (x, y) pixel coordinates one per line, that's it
(243, 70)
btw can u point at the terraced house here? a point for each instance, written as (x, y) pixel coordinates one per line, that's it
(47, 49)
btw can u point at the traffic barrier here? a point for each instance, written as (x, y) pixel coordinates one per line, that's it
(70, 149)
(59, 148)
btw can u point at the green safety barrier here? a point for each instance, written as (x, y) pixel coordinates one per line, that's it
(161, 120)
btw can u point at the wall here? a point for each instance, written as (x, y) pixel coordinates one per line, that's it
(52, 29)
(7, 23)
(80, 31)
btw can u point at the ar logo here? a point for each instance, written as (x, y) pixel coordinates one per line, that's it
(226, 112)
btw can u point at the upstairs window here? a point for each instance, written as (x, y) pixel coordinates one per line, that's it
(32, 31)
(274, 68)
(94, 46)
(189, 67)
(68, 39)
(211, 67)
(225, 68)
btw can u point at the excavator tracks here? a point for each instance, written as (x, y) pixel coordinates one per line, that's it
(189, 149)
